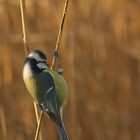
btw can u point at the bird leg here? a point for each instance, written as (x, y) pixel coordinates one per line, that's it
(43, 107)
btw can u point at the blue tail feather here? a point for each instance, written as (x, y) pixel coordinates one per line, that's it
(62, 132)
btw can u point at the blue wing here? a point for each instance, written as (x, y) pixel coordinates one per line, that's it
(49, 103)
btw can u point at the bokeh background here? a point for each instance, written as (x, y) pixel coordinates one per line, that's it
(100, 53)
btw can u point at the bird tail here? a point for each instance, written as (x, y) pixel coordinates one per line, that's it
(62, 132)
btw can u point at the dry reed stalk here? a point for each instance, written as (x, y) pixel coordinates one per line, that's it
(54, 58)
(38, 126)
(25, 40)
(24, 26)
(60, 31)
(38, 120)
(3, 124)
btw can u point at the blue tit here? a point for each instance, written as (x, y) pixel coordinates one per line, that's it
(47, 87)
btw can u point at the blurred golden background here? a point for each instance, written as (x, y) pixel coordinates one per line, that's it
(100, 51)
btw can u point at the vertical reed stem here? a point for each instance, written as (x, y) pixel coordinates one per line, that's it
(25, 41)
(24, 26)
(38, 126)
(3, 123)
(60, 31)
(38, 119)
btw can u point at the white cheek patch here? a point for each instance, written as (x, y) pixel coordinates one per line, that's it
(27, 71)
(41, 65)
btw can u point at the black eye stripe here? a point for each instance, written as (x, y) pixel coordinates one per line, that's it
(41, 62)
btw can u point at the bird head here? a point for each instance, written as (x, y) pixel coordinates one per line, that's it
(37, 55)
(36, 61)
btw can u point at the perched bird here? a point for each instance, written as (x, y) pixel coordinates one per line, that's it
(47, 87)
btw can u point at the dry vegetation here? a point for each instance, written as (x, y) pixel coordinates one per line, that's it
(100, 51)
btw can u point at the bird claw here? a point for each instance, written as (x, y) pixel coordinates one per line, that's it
(56, 54)
(43, 107)
(60, 71)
